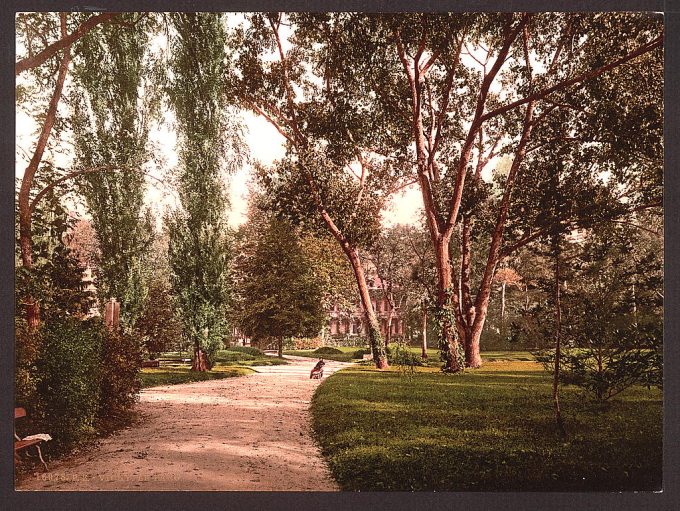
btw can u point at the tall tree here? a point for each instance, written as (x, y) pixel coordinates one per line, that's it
(472, 86)
(110, 129)
(198, 237)
(28, 179)
(336, 175)
(278, 292)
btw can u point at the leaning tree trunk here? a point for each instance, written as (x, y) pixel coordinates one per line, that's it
(23, 199)
(372, 327)
(424, 334)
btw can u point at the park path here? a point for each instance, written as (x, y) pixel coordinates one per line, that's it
(248, 433)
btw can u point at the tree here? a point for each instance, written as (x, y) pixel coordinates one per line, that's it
(613, 337)
(335, 176)
(43, 26)
(198, 237)
(279, 294)
(112, 130)
(437, 72)
(26, 25)
(391, 259)
(24, 196)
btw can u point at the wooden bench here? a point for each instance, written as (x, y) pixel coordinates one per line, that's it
(20, 444)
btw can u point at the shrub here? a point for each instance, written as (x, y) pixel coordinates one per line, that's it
(400, 355)
(305, 343)
(360, 353)
(605, 373)
(68, 370)
(121, 358)
(328, 350)
(232, 356)
(347, 342)
(27, 347)
(249, 350)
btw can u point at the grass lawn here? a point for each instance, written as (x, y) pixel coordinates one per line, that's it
(228, 363)
(432, 354)
(174, 374)
(345, 356)
(488, 429)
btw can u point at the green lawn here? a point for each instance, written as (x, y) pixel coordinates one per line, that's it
(345, 356)
(174, 374)
(488, 429)
(432, 354)
(228, 363)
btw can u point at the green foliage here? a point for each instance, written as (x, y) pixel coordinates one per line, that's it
(158, 324)
(28, 344)
(400, 354)
(56, 276)
(69, 377)
(283, 301)
(486, 430)
(443, 318)
(327, 350)
(110, 121)
(120, 361)
(614, 313)
(199, 246)
(249, 350)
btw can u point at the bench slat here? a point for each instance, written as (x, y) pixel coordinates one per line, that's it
(22, 444)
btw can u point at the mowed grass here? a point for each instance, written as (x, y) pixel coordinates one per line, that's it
(228, 364)
(432, 355)
(346, 355)
(490, 429)
(176, 374)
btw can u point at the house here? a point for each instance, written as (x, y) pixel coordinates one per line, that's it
(350, 323)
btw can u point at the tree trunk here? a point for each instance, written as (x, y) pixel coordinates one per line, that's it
(558, 327)
(448, 342)
(23, 199)
(200, 361)
(372, 327)
(424, 334)
(503, 303)
(388, 330)
(280, 347)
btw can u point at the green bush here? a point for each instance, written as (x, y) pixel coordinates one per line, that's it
(121, 358)
(27, 347)
(68, 372)
(232, 356)
(327, 350)
(249, 350)
(360, 353)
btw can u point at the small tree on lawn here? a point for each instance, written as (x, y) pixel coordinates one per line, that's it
(278, 294)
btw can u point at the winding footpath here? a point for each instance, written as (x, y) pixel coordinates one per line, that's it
(248, 433)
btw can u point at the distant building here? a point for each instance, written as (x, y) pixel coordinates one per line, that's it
(351, 323)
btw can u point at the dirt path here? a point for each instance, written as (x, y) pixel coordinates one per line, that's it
(247, 433)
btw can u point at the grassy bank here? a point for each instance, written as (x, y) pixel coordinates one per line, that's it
(489, 429)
